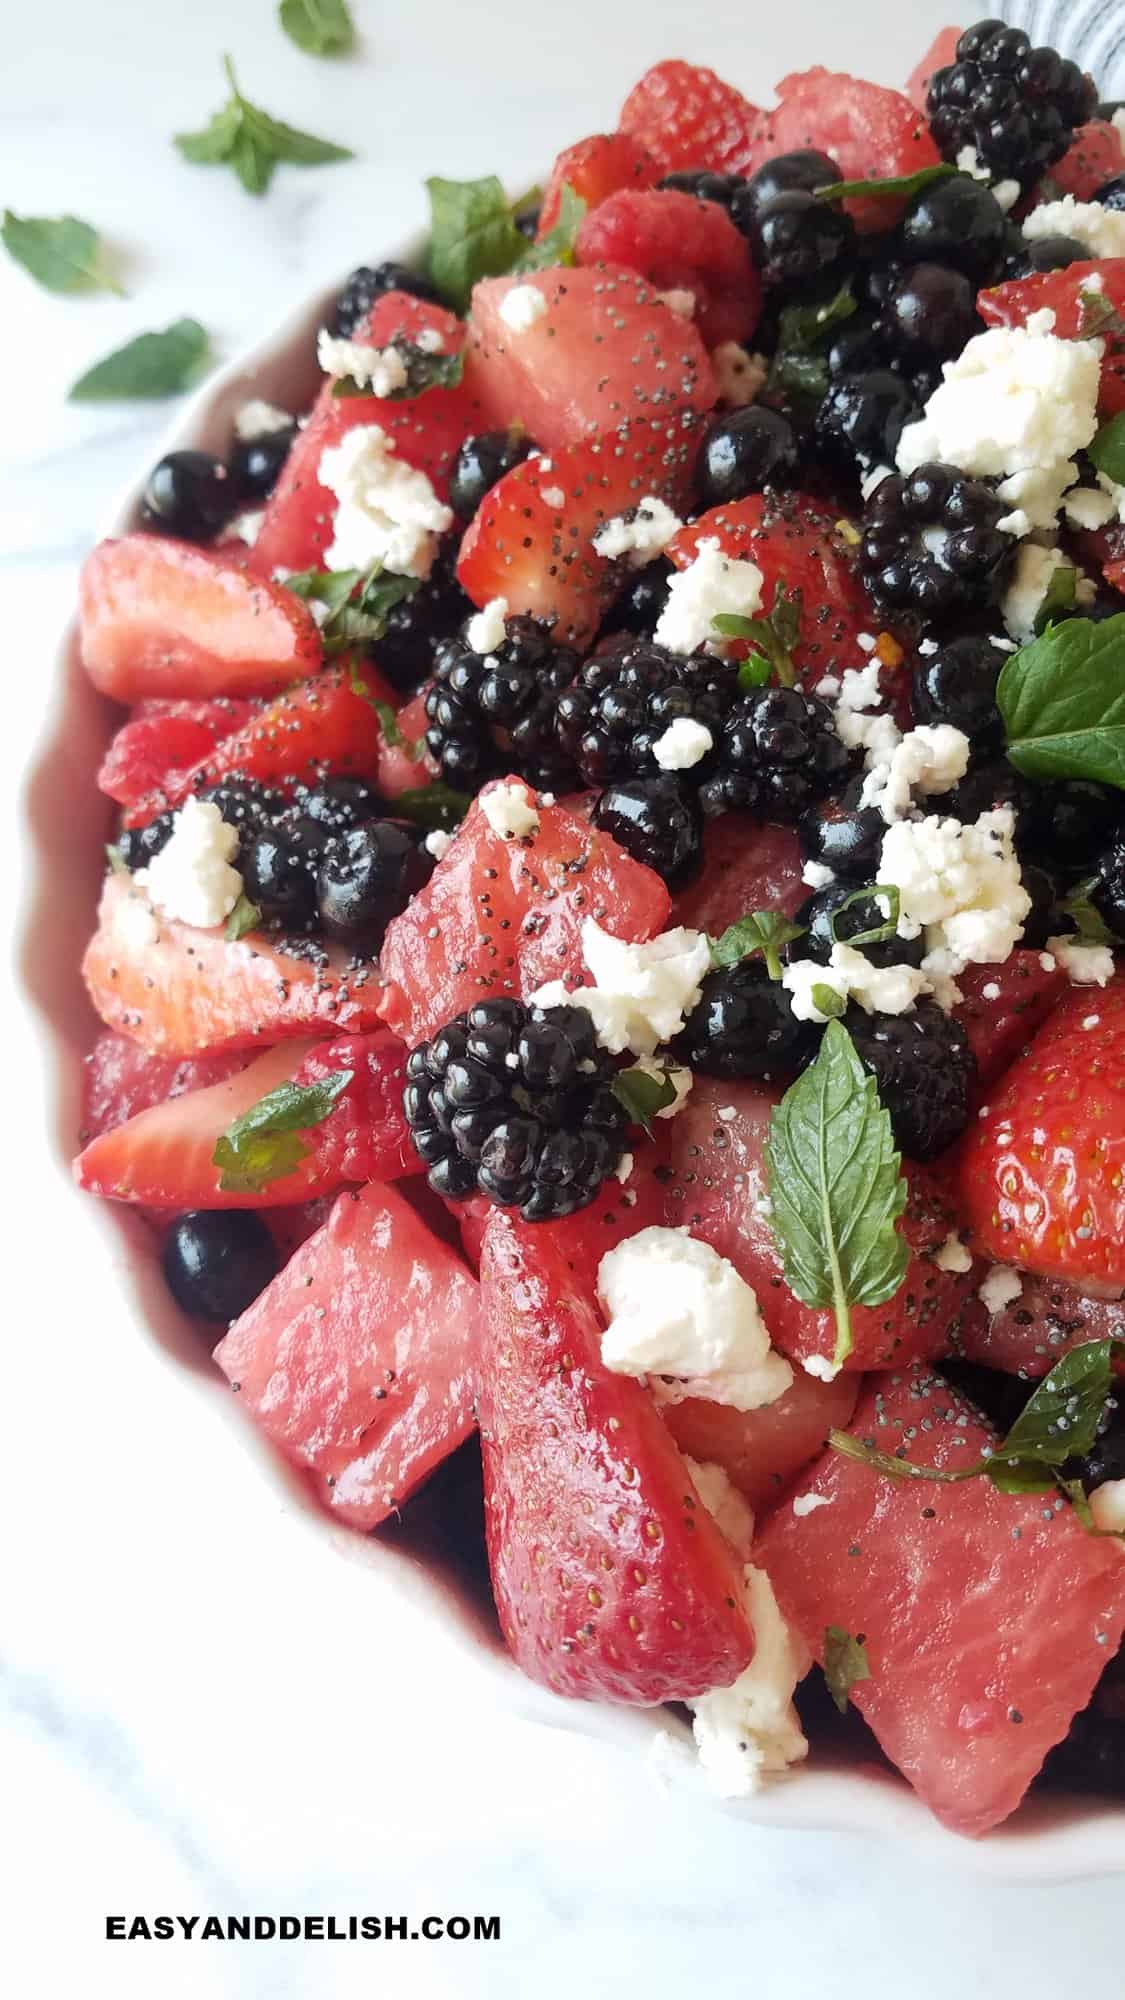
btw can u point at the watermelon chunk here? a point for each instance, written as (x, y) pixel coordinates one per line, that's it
(746, 866)
(873, 134)
(1078, 312)
(941, 52)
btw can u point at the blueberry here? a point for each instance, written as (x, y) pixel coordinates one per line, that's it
(745, 451)
(216, 1261)
(1111, 194)
(640, 604)
(795, 238)
(141, 844)
(863, 416)
(786, 173)
(955, 221)
(827, 922)
(843, 835)
(190, 494)
(255, 463)
(481, 461)
(365, 878)
(1044, 253)
(743, 1025)
(705, 186)
(278, 871)
(958, 685)
(339, 803)
(931, 307)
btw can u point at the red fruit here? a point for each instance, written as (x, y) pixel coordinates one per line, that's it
(1042, 1177)
(163, 738)
(611, 1579)
(159, 617)
(872, 134)
(593, 169)
(762, 1450)
(746, 866)
(1093, 157)
(163, 1157)
(1075, 318)
(679, 244)
(942, 51)
(1000, 1024)
(987, 1617)
(191, 991)
(1040, 1325)
(406, 766)
(358, 1361)
(503, 916)
(121, 1079)
(604, 351)
(799, 546)
(688, 117)
(525, 544)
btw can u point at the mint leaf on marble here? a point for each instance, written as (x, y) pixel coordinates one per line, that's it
(247, 139)
(61, 253)
(319, 27)
(149, 365)
(1062, 699)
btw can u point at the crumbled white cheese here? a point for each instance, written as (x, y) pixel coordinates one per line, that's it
(134, 922)
(191, 880)
(1107, 1505)
(382, 370)
(860, 719)
(999, 1288)
(386, 513)
(1084, 964)
(485, 629)
(521, 307)
(711, 584)
(930, 759)
(257, 419)
(821, 1366)
(969, 162)
(428, 340)
(750, 1731)
(640, 535)
(740, 376)
(682, 1080)
(960, 884)
(511, 811)
(807, 1503)
(817, 875)
(681, 302)
(879, 989)
(952, 1255)
(728, 1508)
(681, 1316)
(1101, 230)
(640, 992)
(683, 744)
(553, 496)
(1023, 599)
(438, 843)
(1006, 194)
(248, 526)
(624, 1168)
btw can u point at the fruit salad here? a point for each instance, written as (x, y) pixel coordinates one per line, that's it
(610, 959)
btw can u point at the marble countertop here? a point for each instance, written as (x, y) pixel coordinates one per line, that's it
(186, 1650)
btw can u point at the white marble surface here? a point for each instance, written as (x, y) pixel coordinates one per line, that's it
(210, 1701)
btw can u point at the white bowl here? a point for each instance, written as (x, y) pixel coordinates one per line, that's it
(1049, 1839)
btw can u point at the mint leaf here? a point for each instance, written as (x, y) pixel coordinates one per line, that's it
(761, 930)
(644, 1094)
(836, 1186)
(828, 1001)
(319, 27)
(245, 916)
(845, 1663)
(1063, 702)
(1098, 317)
(61, 253)
(117, 862)
(264, 1144)
(388, 721)
(879, 933)
(898, 184)
(557, 247)
(436, 806)
(1060, 595)
(246, 138)
(799, 370)
(423, 371)
(357, 604)
(472, 236)
(1087, 922)
(152, 364)
(1108, 448)
(773, 636)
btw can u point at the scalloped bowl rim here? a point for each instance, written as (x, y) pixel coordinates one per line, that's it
(1050, 1840)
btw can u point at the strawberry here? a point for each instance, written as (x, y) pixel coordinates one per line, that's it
(121, 1080)
(942, 51)
(1002, 1006)
(593, 169)
(185, 991)
(1079, 311)
(679, 244)
(407, 765)
(1042, 1175)
(610, 1577)
(163, 738)
(160, 617)
(530, 539)
(1037, 1327)
(688, 117)
(163, 1156)
(1093, 157)
(762, 1450)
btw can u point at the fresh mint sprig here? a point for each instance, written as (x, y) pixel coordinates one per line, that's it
(845, 1664)
(149, 365)
(1108, 448)
(473, 235)
(767, 931)
(772, 636)
(319, 27)
(264, 1144)
(1062, 699)
(244, 137)
(645, 1093)
(61, 253)
(357, 604)
(423, 371)
(895, 184)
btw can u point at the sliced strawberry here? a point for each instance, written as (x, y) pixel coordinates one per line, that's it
(688, 117)
(500, 916)
(746, 866)
(160, 740)
(186, 991)
(1094, 156)
(163, 1157)
(1003, 1006)
(358, 1361)
(159, 617)
(611, 1579)
(1079, 312)
(1037, 1327)
(407, 765)
(604, 349)
(1042, 1176)
(531, 538)
(941, 52)
(679, 244)
(594, 169)
(872, 134)
(121, 1079)
(762, 1450)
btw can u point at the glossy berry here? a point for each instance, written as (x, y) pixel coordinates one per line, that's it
(138, 845)
(930, 309)
(278, 868)
(863, 416)
(743, 1025)
(1108, 894)
(1091, 1757)
(1111, 194)
(1017, 105)
(957, 222)
(611, 718)
(925, 1070)
(340, 803)
(931, 543)
(831, 917)
(1073, 822)
(190, 494)
(787, 173)
(366, 285)
(366, 877)
(1043, 920)
(744, 452)
(656, 820)
(957, 685)
(480, 462)
(795, 238)
(843, 835)
(414, 628)
(720, 188)
(255, 463)
(642, 601)
(515, 1102)
(778, 751)
(987, 788)
(490, 713)
(216, 1261)
(1044, 253)
(246, 804)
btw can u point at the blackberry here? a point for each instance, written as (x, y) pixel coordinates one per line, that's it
(612, 716)
(1111, 194)
(366, 876)
(931, 543)
(138, 845)
(743, 1025)
(1073, 821)
(1106, 1456)
(777, 752)
(827, 922)
(957, 685)
(795, 238)
(1108, 897)
(705, 186)
(366, 285)
(957, 222)
(491, 713)
(246, 804)
(640, 604)
(190, 494)
(1045, 253)
(925, 1071)
(786, 173)
(986, 788)
(745, 451)
(415, 627)
(843, 835)
(216, 1261)
(480, 462)
(1044, 919)
(657, 821)
(515, 1102)
(1091, 1757)
(255, 463)
(1017, 105)
(340, 803)
(863, 416)
(930, 309)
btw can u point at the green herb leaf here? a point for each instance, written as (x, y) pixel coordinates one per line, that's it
(152, 364)
(388, 723)
(880, 933)
(436, 806)
(1060, 594)
(245, 916)
(1063, 702)
(319, 27)
(754, 671)
(836, 1186)
(61, 253)
(798, 369)
(1108, 448)
(1085, 918)
(246, 138)
(264, 1144)
(774, 636)
(760, 930)
(472, 236)
(557, 247)
(828, 1001)
(1098, 317)
(358, 602)
(898, 184)
(644, 1094)
(845, 1663)
(423, 371)
(117, 862)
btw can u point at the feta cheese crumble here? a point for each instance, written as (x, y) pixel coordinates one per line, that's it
(1000, 1287)
(960, 884)
(641, 993)
(1102, 230)
(681, 302)
(511, 812)
(821, 1367)
(521, 307)
(683, 744)
(1084, 964)
(889, 989)
(741, 376)
(952, 1255)
(711, 584)
(438, 843)
(191, 880)
(639, 536)
(817, 875)
(1031, 579)
(930, 759)
(553, 496)
(248, 526)
(681, 1317)
(386, 511)
(485, 629)
(258, 419)
(681, 1080)
(382, 370)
